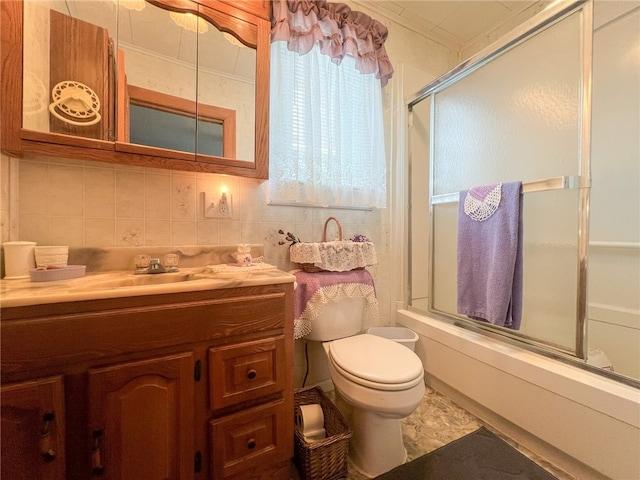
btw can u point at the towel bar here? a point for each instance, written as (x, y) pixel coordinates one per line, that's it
(555, 183)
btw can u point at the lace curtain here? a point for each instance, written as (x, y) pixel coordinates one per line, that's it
(328, 65)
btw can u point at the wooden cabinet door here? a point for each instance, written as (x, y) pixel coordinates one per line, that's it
(32, 430)
(141, 419)
(91, 66)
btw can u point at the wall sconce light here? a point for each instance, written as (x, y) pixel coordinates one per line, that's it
(224, 203)
(136, 5)
(218, 207)
(189, 21)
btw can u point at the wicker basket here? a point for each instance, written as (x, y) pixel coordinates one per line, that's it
(313, 268)
(310, 267)
(324, 459)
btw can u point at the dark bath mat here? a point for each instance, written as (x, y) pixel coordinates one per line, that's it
(480, 455)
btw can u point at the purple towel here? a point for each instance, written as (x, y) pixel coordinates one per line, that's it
(490, 254)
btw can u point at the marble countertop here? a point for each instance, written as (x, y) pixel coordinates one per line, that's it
(115, 284)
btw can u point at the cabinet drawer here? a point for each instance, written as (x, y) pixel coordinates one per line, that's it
(246, 371)
(249, 438)
(246, 315)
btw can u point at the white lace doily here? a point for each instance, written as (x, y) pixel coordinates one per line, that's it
(336, 256)
(482, 202)
(334, 293)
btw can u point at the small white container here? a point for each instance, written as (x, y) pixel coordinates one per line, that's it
(18, 259)
(402, 335)
(57, 256)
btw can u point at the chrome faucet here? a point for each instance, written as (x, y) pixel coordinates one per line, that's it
(144, 264)
(155, 266)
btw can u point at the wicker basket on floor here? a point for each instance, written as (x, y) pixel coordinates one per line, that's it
(323, 459)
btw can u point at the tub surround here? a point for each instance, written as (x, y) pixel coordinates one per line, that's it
(586, 424)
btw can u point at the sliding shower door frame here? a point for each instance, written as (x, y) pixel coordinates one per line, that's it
(550, 16)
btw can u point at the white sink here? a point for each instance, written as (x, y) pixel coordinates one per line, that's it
(133, 280)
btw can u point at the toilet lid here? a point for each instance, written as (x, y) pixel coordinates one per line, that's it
(369, 360)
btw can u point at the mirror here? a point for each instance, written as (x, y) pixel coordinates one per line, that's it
(126, 73)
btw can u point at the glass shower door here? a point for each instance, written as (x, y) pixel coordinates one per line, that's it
(515, 114)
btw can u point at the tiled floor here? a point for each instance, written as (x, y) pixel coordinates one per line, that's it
(438, 421)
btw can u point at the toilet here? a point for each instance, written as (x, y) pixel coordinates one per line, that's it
(378, 382)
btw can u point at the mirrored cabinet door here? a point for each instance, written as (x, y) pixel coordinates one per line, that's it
(157, 79)
(227, 84)
(69, 69)
(165, 83)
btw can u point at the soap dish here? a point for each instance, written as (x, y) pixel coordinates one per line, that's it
(57, 273)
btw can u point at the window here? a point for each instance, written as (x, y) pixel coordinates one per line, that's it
(326, 131)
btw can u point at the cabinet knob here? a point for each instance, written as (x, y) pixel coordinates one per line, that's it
(47, 453)
(251, 374)
(251, 444)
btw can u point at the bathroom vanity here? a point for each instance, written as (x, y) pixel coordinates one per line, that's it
(181, 380)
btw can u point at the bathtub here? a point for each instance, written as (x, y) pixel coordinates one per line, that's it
(584, 423)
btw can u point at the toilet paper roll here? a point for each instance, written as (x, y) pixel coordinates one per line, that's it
(309, 418)
(315, 435)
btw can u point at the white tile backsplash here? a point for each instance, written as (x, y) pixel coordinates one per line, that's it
(183, 200)
(183, 232)
(66, 191)
(157, 202)
(158, 232)
(94, 204)
(130, 194)
(100, 231)
(66, 231)
(33, 186)
(99, 197)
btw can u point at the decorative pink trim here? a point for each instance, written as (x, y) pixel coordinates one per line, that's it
(337, 29)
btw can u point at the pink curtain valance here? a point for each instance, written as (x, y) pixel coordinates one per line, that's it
(337, 29)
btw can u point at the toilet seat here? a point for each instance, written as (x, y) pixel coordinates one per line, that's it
(376, 362)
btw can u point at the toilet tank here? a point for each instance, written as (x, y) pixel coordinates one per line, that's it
(340, 319)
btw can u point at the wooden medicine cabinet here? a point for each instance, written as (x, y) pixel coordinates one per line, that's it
(177, 84)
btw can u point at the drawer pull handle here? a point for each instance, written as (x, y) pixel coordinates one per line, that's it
(251, 374)
(251, 444)
(96, 461)
(47, 452)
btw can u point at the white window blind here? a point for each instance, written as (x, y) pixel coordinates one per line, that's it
(326, 132)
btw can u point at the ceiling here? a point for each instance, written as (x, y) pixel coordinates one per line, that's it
(454, 23)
